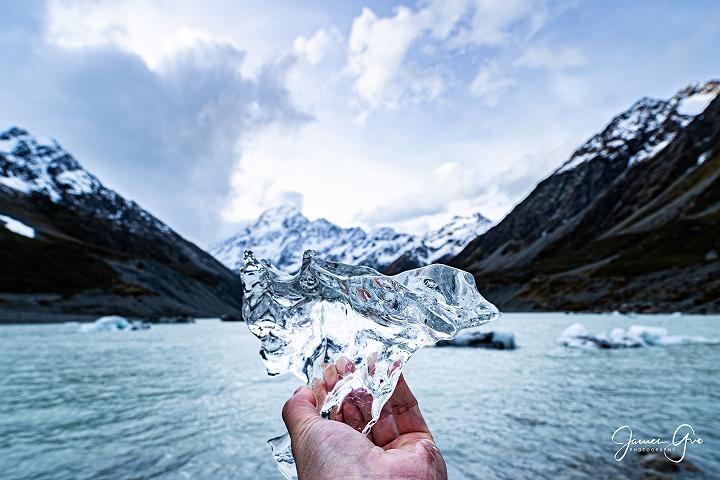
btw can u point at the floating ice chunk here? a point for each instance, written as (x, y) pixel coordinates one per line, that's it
(496, 340)
(113, 323)
(576, 335)
(636, 336)
(646, 335)
(655, 336)
(575, 330)
(618, 338)
(331, 313)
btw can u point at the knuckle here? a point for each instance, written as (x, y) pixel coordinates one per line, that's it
(400, 408)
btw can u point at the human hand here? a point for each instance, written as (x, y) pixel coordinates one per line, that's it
(399, 446)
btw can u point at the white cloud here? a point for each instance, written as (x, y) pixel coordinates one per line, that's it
(77, 25)
(490, 21)
(336, 172)
(386, 74)
(489, 173)
(558, 59)
(314, 49)
(563, 77)
(156, 30)
(377, 49)
(490, 84)
(437, 194)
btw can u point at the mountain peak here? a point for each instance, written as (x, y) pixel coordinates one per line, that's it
(711, 87)
(280, 211)
(33, 164)
(92, 250)
(644, 129)
(281, 216)
(281, 234)
(628, 223)
(694, 99)
(13, 132)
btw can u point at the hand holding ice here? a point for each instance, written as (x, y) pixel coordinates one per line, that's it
(331, 313)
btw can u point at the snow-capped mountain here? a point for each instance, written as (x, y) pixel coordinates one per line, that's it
(42, 167)
(646, 128)
(440, 245)
(282, 234)
(629, 222)
(71, 246)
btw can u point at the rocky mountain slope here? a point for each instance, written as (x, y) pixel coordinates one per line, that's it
(282, 234)
(92, 252)
(630, 222)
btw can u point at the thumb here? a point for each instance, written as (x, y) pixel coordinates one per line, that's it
(300, 412)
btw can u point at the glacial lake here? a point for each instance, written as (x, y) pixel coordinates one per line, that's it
(193, 401)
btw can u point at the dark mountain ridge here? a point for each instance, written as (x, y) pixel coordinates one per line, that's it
(93, 252)
(630, 222)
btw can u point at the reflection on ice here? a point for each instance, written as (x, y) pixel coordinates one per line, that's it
(364, 323)
(576, 335)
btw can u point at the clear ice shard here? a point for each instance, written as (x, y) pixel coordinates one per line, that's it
(335, 314)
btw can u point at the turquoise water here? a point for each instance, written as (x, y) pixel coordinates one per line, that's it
(193, 401)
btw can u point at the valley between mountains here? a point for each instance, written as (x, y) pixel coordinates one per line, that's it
(630, 222)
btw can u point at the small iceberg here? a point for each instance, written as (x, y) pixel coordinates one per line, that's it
(113, 323)
(577, 336)
(496, 340)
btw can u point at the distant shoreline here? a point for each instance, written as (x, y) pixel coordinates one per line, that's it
(24, 318)
(38, 318)
(44, 318)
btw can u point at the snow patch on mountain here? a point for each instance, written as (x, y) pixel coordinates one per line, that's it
(703, 157)
(31, 166)
(651, 150)
(282, 234)
(449, 239)
(696, 103)
(16, 226)
(646, 128)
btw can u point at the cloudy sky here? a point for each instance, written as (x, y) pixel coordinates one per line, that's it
(364, 112)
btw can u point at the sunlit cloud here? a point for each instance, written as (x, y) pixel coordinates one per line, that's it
(314, 48)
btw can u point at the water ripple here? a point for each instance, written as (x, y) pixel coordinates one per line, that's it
(194, 402)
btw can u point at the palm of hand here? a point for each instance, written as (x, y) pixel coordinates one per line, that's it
(398, 446)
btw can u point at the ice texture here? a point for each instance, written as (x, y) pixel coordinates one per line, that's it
(335, 314)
